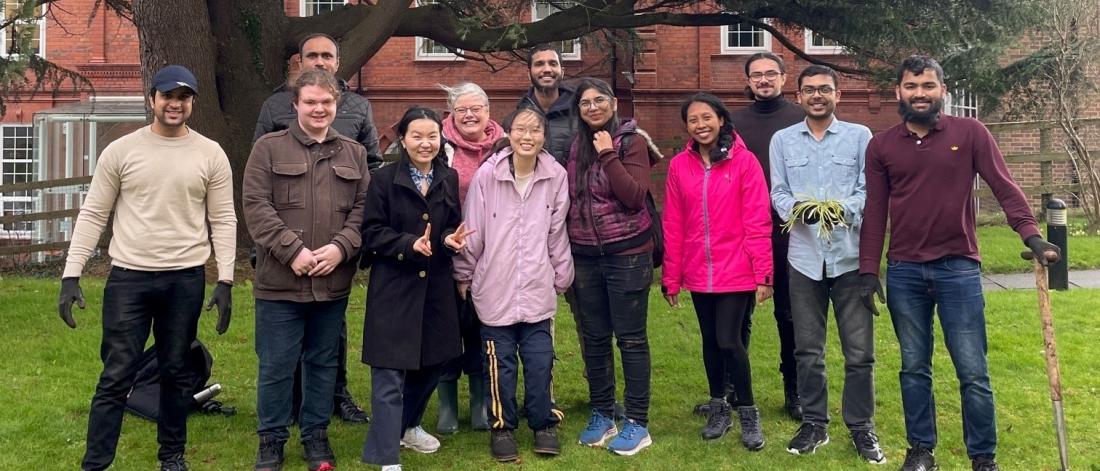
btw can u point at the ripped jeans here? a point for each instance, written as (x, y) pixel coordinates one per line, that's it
(613, 292)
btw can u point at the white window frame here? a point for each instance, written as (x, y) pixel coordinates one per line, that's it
(420, 55)
(41, 21)
(302, 6)
(962, 104)
(745, 50)
(18, 234)
(565, 56)
(810, 48)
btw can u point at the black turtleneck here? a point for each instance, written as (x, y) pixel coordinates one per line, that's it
(757, 123)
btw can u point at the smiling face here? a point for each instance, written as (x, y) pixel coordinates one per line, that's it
(527, 135)
(422, 141)
(471, 117)
(703, 124)
(316, 108)
(766, 79)
(596, 108)
(820, 102)
(545, 71)
(171, 110)
(920, 97)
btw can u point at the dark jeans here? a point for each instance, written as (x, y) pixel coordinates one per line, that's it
(856, 329)
(168, 302)
(725, 358)
(781, 299)
(287, 332)
(398, 399)
(613, 292)
(340, 391)
(469, 328)
(502, 349)
(952, 287)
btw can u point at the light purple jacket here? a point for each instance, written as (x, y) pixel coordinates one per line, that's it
(519, 259)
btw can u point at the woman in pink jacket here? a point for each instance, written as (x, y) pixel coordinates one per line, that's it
(717, 230)
(516, 262)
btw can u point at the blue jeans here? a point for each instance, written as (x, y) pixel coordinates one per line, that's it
(287, 331)
(613, 293)
(951, 285)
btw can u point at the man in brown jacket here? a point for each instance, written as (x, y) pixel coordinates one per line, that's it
(304, 190)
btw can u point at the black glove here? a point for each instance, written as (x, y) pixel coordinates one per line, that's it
(806, 218)
(70, 291)
(1040, 247)
(869, 286)
(223, 298)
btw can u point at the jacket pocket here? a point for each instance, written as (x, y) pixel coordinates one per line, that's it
(288, 184)
(344, 186)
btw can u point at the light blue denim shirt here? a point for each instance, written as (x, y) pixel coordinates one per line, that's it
(803, 168)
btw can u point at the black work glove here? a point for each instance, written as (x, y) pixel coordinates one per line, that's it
(70, 291)
(806, 218)
(869, 286)
(223, 298)
(1040, 248)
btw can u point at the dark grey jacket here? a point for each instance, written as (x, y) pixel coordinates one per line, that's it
(354, 119)
(560, 121)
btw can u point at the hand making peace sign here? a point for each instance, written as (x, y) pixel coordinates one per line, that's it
(457, 239)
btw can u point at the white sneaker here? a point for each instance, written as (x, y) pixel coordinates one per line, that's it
(391, 467)
(419, 440)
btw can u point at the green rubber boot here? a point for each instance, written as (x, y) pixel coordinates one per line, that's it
(479, 416)
(447, 392)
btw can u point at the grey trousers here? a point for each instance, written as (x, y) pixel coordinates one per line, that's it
(855, 323)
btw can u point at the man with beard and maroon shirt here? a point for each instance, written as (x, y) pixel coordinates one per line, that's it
(920, 175)
(756, 124)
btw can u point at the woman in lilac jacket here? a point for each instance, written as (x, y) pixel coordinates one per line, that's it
(516, 262)
(717, 230)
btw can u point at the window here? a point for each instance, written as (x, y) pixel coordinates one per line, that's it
(429, 50)
(317, 7)
(33, 29)
(818, 44)
(17, 166)
(570, 49)
(744, 38)
(960, 103)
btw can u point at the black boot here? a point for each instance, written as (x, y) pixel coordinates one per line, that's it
(447, 392)
(791, 401)
(270, 455)
(718, 419)
(479, 415)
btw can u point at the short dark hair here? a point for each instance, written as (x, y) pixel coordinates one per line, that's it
(816, 69)
(540, 48)
(765, 55)
(917, 64)
(302, 43)
(318, 77)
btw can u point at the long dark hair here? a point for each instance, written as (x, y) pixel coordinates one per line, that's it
(585, 155)
(419, 112)
(722, 147)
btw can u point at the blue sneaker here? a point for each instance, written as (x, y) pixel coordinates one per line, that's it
(631, 440)
(600, 429)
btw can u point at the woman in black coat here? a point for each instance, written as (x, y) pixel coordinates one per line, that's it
(411, 229)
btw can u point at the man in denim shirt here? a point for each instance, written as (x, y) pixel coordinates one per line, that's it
(822, 159)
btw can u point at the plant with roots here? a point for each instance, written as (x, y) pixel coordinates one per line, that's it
(828, 213)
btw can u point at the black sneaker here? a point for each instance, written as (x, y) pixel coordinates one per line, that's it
(984, 463)
(318, 453)
(919, 458)
(792, 403)
(270, 455)
(866, 444)
(718, 420)
(349, 412)
(546, 441)
(502, 445)
(752, 436)
(809, 438)
(702, 409)
(174, 463)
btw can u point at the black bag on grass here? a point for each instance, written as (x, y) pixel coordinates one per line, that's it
(144, 398)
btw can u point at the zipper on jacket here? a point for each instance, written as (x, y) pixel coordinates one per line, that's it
(595, 227)
(706, 231)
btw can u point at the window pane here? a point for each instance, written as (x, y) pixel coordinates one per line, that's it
(317, 7)
(544, 8)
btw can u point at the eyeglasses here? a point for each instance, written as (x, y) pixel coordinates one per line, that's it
(597, 102)
(519, 131)
(825, 90)
(770, 75)
(472, 109)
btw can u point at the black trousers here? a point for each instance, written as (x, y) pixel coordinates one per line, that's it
(134, 302)
(398, 399)
(725, 357)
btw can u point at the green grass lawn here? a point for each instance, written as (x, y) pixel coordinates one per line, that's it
(51, 371)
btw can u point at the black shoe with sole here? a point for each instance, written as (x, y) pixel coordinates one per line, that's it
(349, 412)
(718, 420)
(919, 458)
(809, 438)
(318, 453)
(792, 403)
(546, 441)
(174, 463)
(502, 445)
(866, 444)
(984, 463)
(270, 455)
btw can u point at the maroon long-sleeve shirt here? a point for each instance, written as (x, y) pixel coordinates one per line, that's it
(926, 187)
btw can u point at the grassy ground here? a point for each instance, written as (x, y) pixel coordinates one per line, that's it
(51, 372)
(1000, 248)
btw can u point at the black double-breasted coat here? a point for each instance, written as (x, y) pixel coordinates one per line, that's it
(412, 317)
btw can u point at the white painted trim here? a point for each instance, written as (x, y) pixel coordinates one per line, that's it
(809, 47)
(571, 56)
(727, 49)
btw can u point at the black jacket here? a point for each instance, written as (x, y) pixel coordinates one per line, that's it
(412, 315)
(562, 125)
(354, 119)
